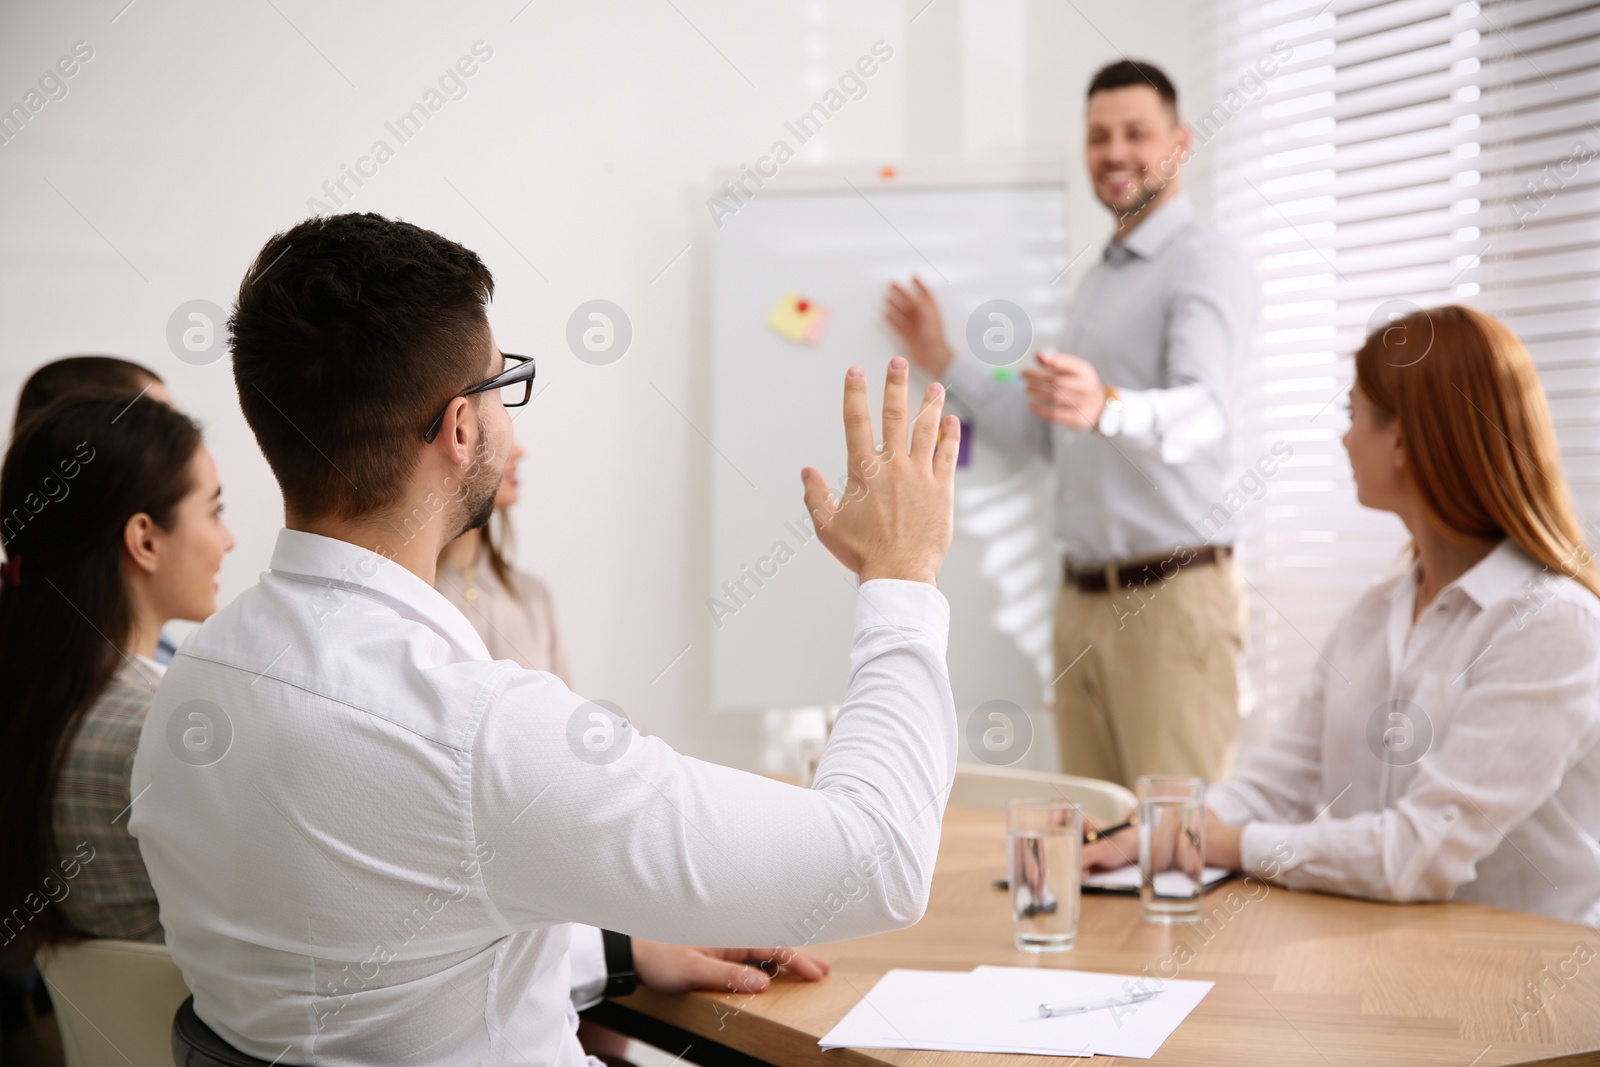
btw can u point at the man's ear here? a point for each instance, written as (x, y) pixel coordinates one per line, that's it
(460, 429)
(1185, 140)
(139, 537)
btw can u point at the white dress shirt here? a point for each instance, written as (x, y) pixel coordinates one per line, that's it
(383, 865)
(1166, 317)
(519, 624)
(1454, 759)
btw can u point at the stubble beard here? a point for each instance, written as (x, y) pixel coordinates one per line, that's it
(1145, 194)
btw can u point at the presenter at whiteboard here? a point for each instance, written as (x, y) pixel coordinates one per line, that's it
(1134, 416)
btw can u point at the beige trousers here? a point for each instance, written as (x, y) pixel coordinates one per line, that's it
(1147, 678)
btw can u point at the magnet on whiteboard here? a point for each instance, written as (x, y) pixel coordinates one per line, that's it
(799, 319)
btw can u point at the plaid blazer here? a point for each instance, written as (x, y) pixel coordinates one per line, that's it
(110, 896)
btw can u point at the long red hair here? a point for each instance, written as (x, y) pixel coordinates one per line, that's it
(1477, 432)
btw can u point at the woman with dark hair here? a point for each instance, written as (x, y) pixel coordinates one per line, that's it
(93, 376)
(87, 376)
(110, 515)
(1447, 744)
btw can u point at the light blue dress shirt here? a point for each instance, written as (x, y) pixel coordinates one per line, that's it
(1166, 317)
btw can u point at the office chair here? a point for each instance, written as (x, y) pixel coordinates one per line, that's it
(113, 1000)
(989, 788)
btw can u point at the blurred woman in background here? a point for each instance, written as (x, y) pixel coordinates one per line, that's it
(510, 609)
(87, 376)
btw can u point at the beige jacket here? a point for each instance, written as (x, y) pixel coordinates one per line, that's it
(520, 627)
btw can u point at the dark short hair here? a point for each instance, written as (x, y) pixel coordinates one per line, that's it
(349, 334)
(1126, 72)
(80, 376)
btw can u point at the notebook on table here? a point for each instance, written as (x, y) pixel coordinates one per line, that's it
(1124, 881)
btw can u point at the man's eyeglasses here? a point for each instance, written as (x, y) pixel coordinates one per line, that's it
(515, 384)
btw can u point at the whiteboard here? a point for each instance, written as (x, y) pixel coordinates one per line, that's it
(781, 607)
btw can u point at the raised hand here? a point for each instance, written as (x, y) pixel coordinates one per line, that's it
(895, 517)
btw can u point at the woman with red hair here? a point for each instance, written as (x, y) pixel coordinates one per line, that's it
(1447, 744)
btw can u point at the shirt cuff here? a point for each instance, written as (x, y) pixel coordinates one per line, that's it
(1265, 850)
(904, 605)
(586, 956)
(1138, 418)
(1227, 806)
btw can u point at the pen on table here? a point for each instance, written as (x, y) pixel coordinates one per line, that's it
(1047, 1011)
(1089, 838)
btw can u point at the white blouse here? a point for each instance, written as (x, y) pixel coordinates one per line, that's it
(1451, 759)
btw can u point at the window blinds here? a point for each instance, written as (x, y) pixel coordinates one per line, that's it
(1371, 157)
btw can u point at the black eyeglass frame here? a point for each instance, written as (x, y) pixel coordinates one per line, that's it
(521, 372)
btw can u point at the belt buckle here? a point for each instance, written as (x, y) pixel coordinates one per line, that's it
(1085, 580)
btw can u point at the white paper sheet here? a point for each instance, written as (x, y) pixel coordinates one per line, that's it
(996, 1009)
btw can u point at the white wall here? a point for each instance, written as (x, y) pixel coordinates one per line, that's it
(576, 164)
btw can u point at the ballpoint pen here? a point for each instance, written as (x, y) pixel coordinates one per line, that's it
(1048, 1011)
(1091, 836)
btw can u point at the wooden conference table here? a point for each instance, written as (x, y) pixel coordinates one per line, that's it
(1301, 978)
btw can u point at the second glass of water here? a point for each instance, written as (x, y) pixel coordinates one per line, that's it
(1045, 841)
(1172, 847)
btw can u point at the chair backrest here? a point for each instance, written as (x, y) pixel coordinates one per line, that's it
(991, 788)
(114, 1001)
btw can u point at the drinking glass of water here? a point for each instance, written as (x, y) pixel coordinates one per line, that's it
(1172, 847)
(1045, 842)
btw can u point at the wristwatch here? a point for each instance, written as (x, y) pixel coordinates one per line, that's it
(620, 977)
(1110, 422)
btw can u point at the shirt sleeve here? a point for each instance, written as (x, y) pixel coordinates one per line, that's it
(635, 837)
(587, 958)
(1209, 323)
(1531, 711)
(999, 409)
(1173, 424)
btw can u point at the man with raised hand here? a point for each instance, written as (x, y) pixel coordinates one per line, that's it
(381, 860)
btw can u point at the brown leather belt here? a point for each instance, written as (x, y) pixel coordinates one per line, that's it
(1138, 574)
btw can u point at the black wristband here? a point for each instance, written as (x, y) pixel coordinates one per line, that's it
(620, 979)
